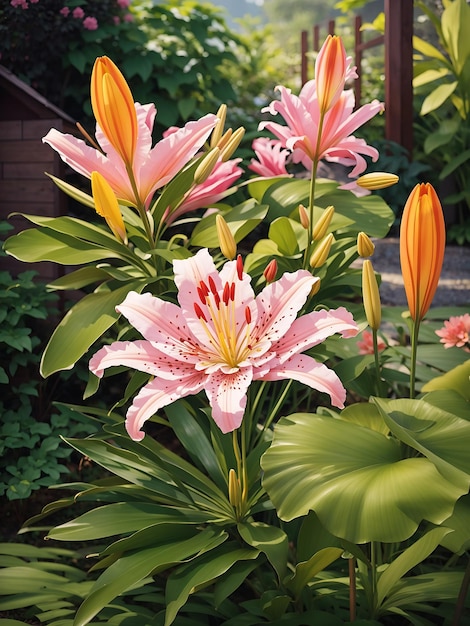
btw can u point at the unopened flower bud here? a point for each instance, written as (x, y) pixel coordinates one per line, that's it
(315, 287)
(320, 228)
(371, 296)
(377, 180)
(321, 252)
(270, 271)
(234, 489)
(205, 167)
(219, 127)
(365, 247)
(226, 240)
(303, 216)
(232, 144)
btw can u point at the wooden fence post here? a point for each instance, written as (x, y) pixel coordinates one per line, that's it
(399, 72)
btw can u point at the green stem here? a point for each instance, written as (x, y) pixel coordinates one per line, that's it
(376, 359)
(311, 200)
(141, 210)
(414, 350)
(278, 405)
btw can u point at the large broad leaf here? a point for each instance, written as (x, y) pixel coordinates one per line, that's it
(180, 544)
(354, 478)
(82, 325)
(198, 574)
(457, 379)
(440, 436)
(459, 540)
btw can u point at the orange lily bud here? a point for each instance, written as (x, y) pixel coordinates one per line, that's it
(371, 296)
(377, 180)
(330, 72)
(113, 107)
(365, 247)
(232, 144)
(303, 216)
(270, 271)
(320, 228)
(321, 252)
(227, 242)
(219, 127)
(205, 167)
(107, 206)
(422, 246)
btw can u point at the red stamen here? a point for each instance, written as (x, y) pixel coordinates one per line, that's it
(226, 294)
(248, 315)
(212, 285)
(240, 267)
(232, 292)
(199, 312)
(202, 295)
(204, 288)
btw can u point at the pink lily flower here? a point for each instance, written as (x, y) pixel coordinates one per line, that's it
(216, 187)
(152, 167)
(337, 144)
(271, 158)
(222, 337)
(456, 332)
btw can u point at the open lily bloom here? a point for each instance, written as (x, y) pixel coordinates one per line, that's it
(217, 186)
(152, 167)
(222, 337)
(270, 158)
(337, 143)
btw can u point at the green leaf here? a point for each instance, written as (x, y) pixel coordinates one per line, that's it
(459, 540)
(437, 97)
(455, 163)
(77, 194)
(131, 569)
(404, 562)
(342, 466)
(307, 570)
(82, 325)
(270, 540)
(428, 49)
(80, 278)
(440, 436)
(116, 519)
(458, 379)
(283, 234)
(199, 573)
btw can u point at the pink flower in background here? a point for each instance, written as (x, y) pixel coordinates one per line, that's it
(152, 167)
(212, 190)
(456, 332)
(128, 17)
(337, 144)
(222, 337)
(90, 23)
(271, 158)
(78, 13)
(33, 1)
(366, 343)
(123, 3)
(116, 20)
(64, 11)
(19, 3)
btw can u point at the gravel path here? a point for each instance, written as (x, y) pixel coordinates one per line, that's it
(454, 284)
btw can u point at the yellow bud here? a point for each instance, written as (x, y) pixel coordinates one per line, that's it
(303, 216)
(315, 288)
(377, 180)
(234, 489)
(320, 228)
(365, 247)
(219, 127)
(270, 271)
(226, 240)
(232, 144)
(223, 141)
(371, 296)
(321, 252)
(107, 206)
(205, 167)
